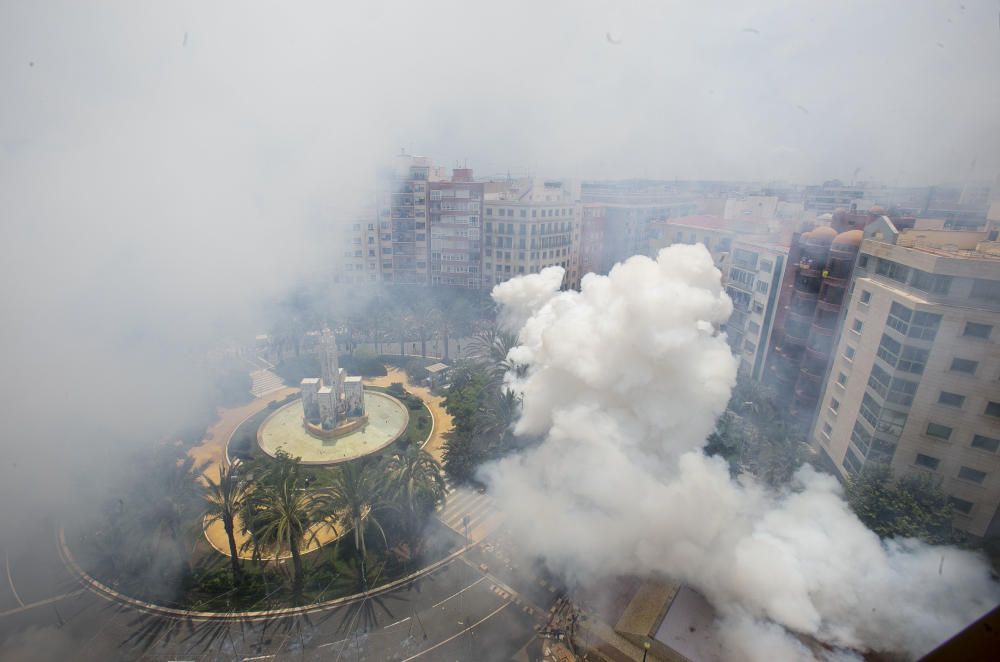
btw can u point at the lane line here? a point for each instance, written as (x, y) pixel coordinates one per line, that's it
(332, 643)
(459, 634)
(458, 593)
(397, 622)
(41, 603)
(11, 581)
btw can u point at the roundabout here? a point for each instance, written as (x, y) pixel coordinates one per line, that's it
(285, 430)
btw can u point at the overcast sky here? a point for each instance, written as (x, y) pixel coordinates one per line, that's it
(162, 164)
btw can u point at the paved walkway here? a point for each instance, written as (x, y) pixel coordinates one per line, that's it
(442, 419)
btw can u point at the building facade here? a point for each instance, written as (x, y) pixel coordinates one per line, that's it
(753, 282)
(530, 225)
(914, 377)
(455, 222)
(402, 220)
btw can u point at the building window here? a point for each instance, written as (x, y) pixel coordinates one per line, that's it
(866, 296)
(964, 365)
(930, 282)
(761, 287)
(925, 326)
(765, 265)
(892, 270)
(927, 462)
(834, 404)
(976, 330)
(972, 475)
(993, 409)
(849, 353)
(985, 443)
(842, 379)
(939, 431)
(986, 290)
(758, 308)
(863, 261)
(827, 429)
(961, 505)
(951, 399)
(899, 318)
(857, 326)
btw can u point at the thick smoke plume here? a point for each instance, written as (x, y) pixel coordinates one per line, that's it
(624, 382)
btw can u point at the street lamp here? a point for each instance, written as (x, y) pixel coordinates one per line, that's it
(645, 650)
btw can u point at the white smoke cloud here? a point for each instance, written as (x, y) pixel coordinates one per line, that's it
(624, 382)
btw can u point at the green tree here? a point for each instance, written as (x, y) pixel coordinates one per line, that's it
(355, 497)
(494, 427)
(416, 486)
(911, 506)
(224, 501)
(285, 515)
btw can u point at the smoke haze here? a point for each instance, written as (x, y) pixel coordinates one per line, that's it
(166, 168)
(624, 381)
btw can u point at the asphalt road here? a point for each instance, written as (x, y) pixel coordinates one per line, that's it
(460, 612)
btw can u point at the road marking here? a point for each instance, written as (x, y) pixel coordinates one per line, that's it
(41, 603)
(459, 634)
(397, 623)
(332, 643)
(11, 581)
(459, 593)
(259, 657)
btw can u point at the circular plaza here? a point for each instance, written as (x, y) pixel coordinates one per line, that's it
(285, 430)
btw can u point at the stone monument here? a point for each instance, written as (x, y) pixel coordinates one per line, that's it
(333, 403)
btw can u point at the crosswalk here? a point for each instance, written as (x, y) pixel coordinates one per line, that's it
(264, 382)
(470, 513)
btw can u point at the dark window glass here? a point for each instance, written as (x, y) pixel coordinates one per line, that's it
(964, 365)
(927, 461)
(972, 475)
(939, 431)
(951, 399)
(975, 330)
(986, 443)
(961, 505)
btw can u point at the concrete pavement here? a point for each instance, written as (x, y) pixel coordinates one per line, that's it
(455, 613)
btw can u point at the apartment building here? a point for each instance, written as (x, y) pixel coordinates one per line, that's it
(753, 282)
(402, 219)
(356, 259)
(454, 215)
(914, 376)
(714, 232)
(592, 227)
(529, 225)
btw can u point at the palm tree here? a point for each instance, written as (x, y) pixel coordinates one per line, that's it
(491, 348)
(495, 422)
(223, 501)
(417, 486)
(355, 497)
(285, 515)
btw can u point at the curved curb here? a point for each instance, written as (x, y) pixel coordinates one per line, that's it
(109, 593)
(341, 460)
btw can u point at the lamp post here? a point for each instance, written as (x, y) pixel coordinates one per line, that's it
(645, 650)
